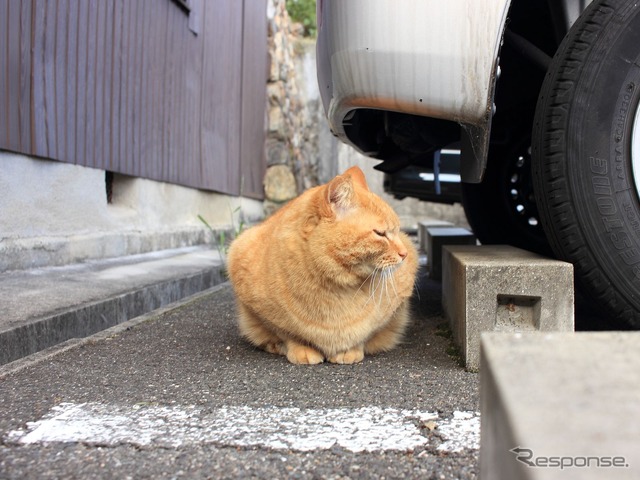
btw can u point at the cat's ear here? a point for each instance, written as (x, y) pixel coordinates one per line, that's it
(358, 177)
(341, 195)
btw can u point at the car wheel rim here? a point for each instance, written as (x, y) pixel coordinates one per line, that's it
(635, 150)
(521, 197)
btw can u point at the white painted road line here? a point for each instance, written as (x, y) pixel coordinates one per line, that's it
(356, 429)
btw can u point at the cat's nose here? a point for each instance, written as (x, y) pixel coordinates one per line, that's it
(402, 254)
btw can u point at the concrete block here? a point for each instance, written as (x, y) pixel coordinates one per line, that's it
(422, 230)
(438, 237)
(503, 288)
(560, 405)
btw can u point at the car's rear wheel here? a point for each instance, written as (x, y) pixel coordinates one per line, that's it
(586, 157)
(502, 209)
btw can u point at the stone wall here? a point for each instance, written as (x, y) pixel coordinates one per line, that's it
(288, 171)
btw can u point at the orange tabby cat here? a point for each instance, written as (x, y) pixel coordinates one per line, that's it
(328, 276)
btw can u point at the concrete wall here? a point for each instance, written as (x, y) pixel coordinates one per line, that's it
(53, 213)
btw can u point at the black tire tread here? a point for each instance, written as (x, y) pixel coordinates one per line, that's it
(551, 182)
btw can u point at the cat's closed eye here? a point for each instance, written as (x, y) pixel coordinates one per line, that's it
(380, 233)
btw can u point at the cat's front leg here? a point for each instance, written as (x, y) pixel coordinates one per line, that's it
(353, 355)
(302, 354)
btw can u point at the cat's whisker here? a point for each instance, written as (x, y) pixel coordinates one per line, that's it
(365, 281)
(415, 287)
(380, 285)
(379, 274)
(383, 284)
(372, 282)
(372, 285)
(393, 285)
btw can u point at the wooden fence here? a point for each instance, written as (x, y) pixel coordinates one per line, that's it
(162, 89)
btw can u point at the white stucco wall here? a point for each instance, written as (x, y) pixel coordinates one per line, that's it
(52, 213)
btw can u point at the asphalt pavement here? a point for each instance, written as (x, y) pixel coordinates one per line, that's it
(178, 394)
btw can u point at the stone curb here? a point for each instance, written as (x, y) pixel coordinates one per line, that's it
(47, 353)
(89, 318)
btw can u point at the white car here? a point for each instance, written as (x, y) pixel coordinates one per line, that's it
(539, 96)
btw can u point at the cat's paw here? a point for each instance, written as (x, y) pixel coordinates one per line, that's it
(275, 347)
(353, 355)
(303, 355)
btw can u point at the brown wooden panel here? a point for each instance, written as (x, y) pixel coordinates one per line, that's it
(107, 91)
(84, 122)
(59, 71)
(70, 68)
(37, 101)
(127, 110)
(254, 79)
(116, 85)
(127, 86)
(167, 113)
(4, 39)
(138, 78)
(121, 32)
(25, 99)
(146, 152)
(48, 39)
(193, 54)
(97, 153)
(220, 95)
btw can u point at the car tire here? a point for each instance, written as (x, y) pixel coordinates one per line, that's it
(586, 157)
(502, 209)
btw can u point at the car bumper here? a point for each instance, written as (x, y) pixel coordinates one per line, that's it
(423, 57)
